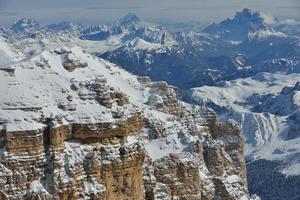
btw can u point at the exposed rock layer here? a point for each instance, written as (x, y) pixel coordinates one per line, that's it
(115, 169)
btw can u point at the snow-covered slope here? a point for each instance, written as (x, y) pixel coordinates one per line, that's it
(266, 107)
(42, 83)
(43, 87)
(8, 54)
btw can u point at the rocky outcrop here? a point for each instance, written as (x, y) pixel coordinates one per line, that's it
(163, 98)
(72, 63)
(9, 69)
(35, 157)
(98, 90)
(177, 177)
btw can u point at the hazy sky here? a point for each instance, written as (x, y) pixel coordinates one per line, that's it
(100, 11)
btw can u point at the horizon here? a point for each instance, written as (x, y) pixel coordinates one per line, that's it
(269, 18)
(95, 12)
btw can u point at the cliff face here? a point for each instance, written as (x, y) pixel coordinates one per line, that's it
(98, 161)
(111, 136)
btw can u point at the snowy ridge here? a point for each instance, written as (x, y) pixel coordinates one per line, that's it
(140, 44)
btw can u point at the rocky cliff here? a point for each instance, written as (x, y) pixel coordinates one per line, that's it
(76, 127)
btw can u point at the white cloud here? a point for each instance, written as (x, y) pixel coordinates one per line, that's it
(268, 18)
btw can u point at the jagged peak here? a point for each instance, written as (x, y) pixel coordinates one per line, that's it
(246, 24)
(127, 23)
(129, 18)
(65, 25)
(246, 12)
(247, 15)
(25, 20)
(258, 16)
(25, 24)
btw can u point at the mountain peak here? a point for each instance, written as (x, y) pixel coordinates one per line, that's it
(244, 24)
(247, 11)
(25, 24)
(247, 15)
(129, 18)
(63, 26)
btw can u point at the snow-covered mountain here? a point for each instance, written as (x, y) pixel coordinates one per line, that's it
(75, 126)
(264, 105)
(127, 24)
(67, 27)
(150, 49)
(246, 24)
(210, 56)
(25, 25)
(245, 68)
(128, 28)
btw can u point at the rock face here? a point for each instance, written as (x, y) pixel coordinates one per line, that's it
(163, 98)
(108, 135)
(97, 161)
